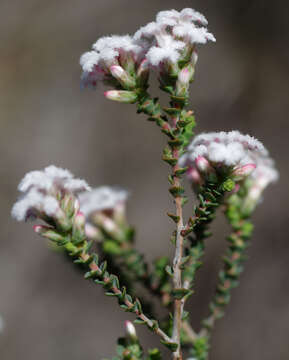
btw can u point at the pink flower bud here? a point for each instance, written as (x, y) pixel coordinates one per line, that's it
(244, 171)
(117, 71)
(92, 232)
(39, 229)
(236, 188)
(143, 73)
(124, 96)
(194, 175)
(130, 330)
(79, 220)
(184, 76)
(203, 165)
(47, 232)
(122, 76)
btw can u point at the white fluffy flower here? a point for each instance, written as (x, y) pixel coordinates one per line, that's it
(173, 17)
(185, 25)
(193, 35)
(242, 156)
(52, 179)
(168, 50)
(42, 192)
(108, 51)
(32, 204)
(174, 34)
(171, 33)
(224, 149)
(102, 198)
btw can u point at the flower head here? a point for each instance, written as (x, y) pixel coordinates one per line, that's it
(104, 198)
(104, 208)
(173, 36)
(107, 52)
(231, 153)
(115, 60)
(51, 180)
(47, 193)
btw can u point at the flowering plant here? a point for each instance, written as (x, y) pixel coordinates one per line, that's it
(226, 170)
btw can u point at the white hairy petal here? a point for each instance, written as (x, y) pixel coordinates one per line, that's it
(101, 198)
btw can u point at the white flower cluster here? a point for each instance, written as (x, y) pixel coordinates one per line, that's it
(224, 149)
(170, 38)
(108, 51)
(234, 153)
(42, 190)
(104, 208)
(102, 198)
(172, 35)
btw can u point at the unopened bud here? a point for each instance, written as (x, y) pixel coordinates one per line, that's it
(124, 96)
(79, 220)
(203, 165)
(130, 330)
(122, 76)
(68, 204)
(76, 206)
(143, 73)
(242, 172)
(78, 233)
(194, 176)
(184, 76)
(183, 82)
(119, 212)
(194, 58)
(62, 220)
(105, 222)
(48, 233)
(92, 232)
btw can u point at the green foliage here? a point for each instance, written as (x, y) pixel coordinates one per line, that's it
(128, 350)
(201, 348)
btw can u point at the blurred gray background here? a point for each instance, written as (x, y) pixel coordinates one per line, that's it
(49, 311)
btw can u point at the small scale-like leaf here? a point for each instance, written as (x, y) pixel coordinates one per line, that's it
(169, 270)
(181, 293)
(170, 345)
(174, 217)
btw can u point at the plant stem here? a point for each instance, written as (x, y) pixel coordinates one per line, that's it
(179, 250)
(106, 278)
(177, 279)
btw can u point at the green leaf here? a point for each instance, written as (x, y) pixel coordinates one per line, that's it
(154, 354)
(171, 111)
(139, 307)
(169, 270)
(185, 315)
(228, 185)
(181, 293)
(181, 171)
(175, 218)
(111, 247)
(170, 160)
(170, 345)
(176, 190)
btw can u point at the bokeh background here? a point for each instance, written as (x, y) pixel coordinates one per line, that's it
(49, 311)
